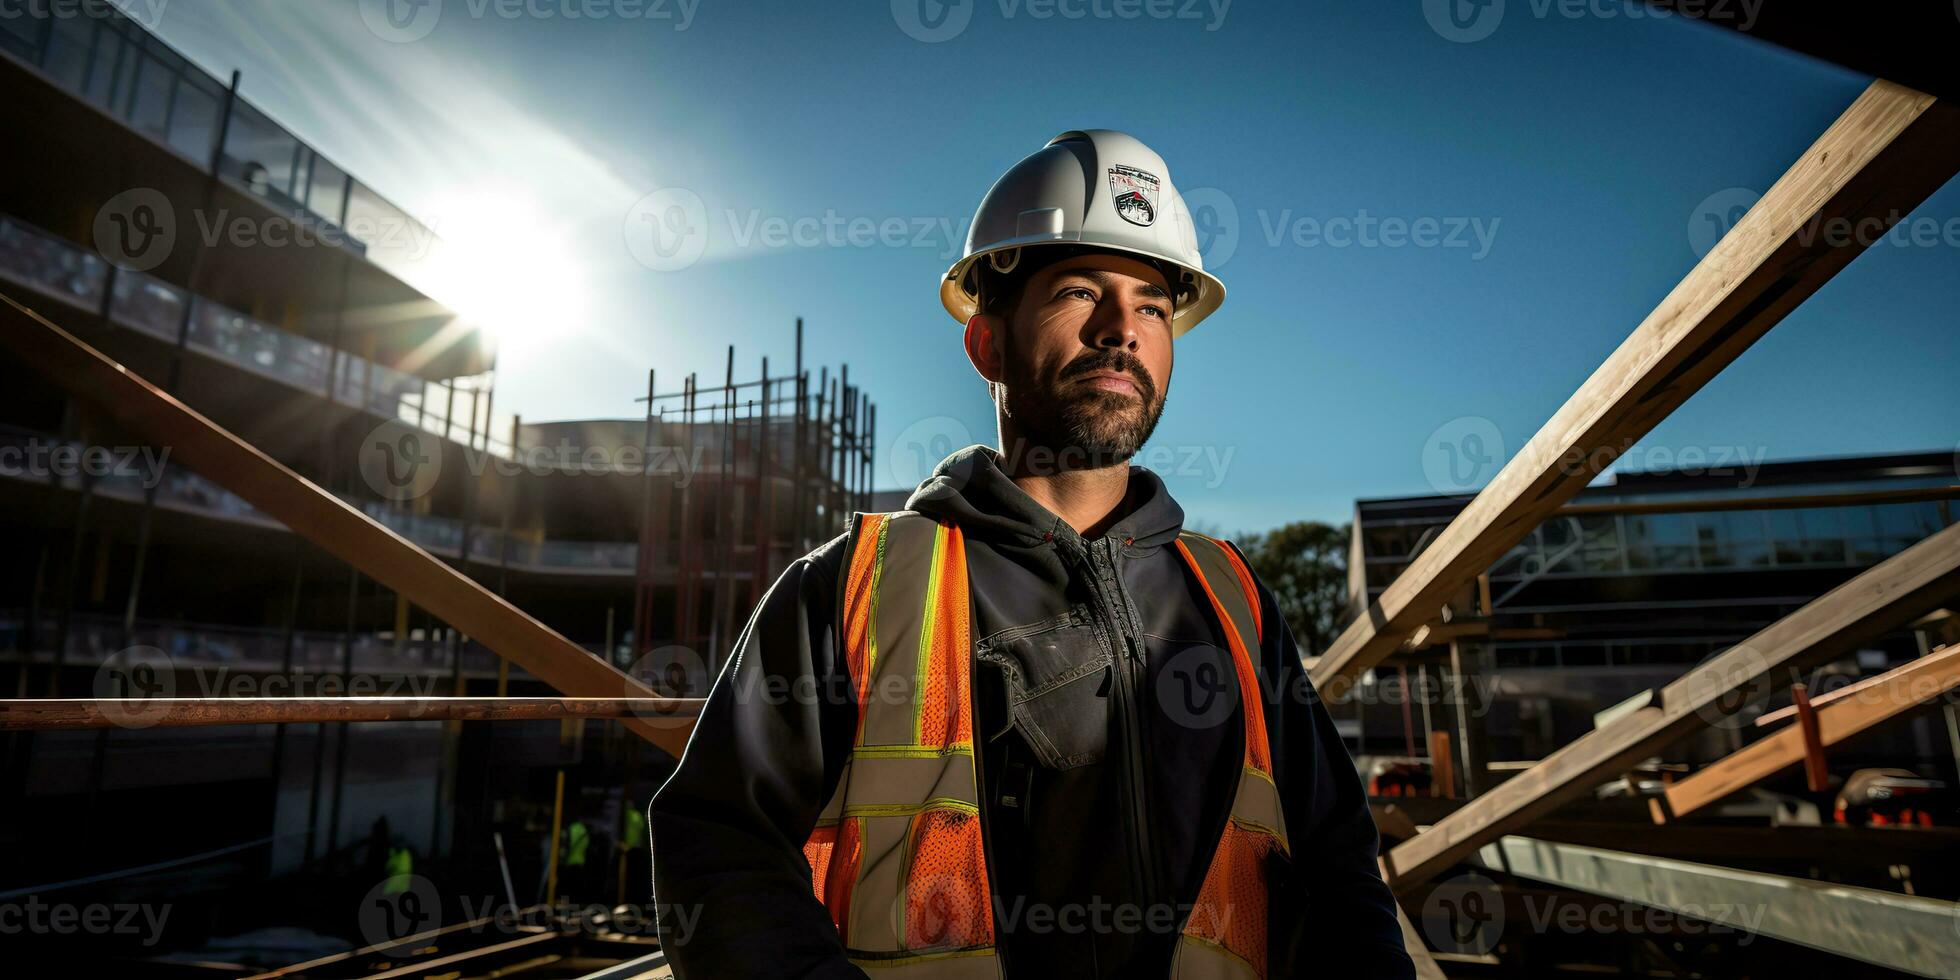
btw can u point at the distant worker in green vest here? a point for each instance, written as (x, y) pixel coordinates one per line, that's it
(401, 866)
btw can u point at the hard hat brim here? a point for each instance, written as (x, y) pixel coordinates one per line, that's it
(963, 304)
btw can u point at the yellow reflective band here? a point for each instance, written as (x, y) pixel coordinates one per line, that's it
(910, 751)
(927, 624)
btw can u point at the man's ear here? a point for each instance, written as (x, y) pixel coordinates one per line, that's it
(983, 337)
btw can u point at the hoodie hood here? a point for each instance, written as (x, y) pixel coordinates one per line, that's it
(970, 489)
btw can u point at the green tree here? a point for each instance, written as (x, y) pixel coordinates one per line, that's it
(1305, 564)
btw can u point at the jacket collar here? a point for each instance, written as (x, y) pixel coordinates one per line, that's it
(970, 489)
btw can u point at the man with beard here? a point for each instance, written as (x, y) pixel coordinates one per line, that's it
(1030, 726)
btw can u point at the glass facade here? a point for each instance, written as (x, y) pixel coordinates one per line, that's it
(1647, 544)
(184, 490)
(40, 261)
(111, 61)
(49, 265)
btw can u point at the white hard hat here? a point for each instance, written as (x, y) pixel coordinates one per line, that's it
(1091, 187)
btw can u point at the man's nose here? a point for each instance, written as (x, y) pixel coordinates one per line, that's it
(1114, 325)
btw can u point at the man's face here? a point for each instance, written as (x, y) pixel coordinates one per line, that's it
(1085, 358)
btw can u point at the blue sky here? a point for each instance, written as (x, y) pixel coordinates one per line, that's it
(1565, 160)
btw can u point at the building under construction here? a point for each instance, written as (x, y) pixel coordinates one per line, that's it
(314, 671)
(639, 542)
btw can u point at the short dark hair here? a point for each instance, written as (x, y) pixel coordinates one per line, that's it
(1000, 292)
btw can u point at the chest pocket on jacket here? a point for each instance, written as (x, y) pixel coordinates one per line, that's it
(1056, 675)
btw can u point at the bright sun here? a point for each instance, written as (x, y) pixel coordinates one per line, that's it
(507, 266)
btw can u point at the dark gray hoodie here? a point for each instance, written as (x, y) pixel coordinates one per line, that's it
(1108, 773)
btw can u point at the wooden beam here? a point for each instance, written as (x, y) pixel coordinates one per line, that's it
(1425, 961)
(1907, 933)
(1882, 598)
(1894, 692)
(1770, 719)
(1882, 157)
(330, 523)
(68, 714)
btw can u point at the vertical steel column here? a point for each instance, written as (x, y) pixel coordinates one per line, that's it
(799, 542)
(278, 767)
(173, 375)
(1473, 742)
(724, 518)
(764, 514)
(643, 559)
(684, 584)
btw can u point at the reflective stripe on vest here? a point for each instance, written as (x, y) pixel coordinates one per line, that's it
(897, 855)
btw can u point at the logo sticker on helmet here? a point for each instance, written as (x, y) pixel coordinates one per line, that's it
(1134, 193)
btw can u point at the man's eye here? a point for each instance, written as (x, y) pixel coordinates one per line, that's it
(1082, 291)
(1156, 311)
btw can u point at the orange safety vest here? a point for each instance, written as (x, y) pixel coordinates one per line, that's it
(897, 856)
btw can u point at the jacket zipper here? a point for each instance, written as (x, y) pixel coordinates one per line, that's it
(1127, 665)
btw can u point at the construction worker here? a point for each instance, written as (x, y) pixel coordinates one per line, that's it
(1030, 726)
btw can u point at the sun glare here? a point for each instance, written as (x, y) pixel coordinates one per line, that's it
(507, 266)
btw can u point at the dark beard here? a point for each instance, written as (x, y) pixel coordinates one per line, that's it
(1071, 427)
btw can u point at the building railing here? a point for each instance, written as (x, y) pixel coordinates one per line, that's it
(106, 58)
(95, 639)
(1743, 539)
(21, 453)
(63, 270)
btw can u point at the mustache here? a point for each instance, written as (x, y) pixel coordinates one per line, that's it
(1114, 360)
